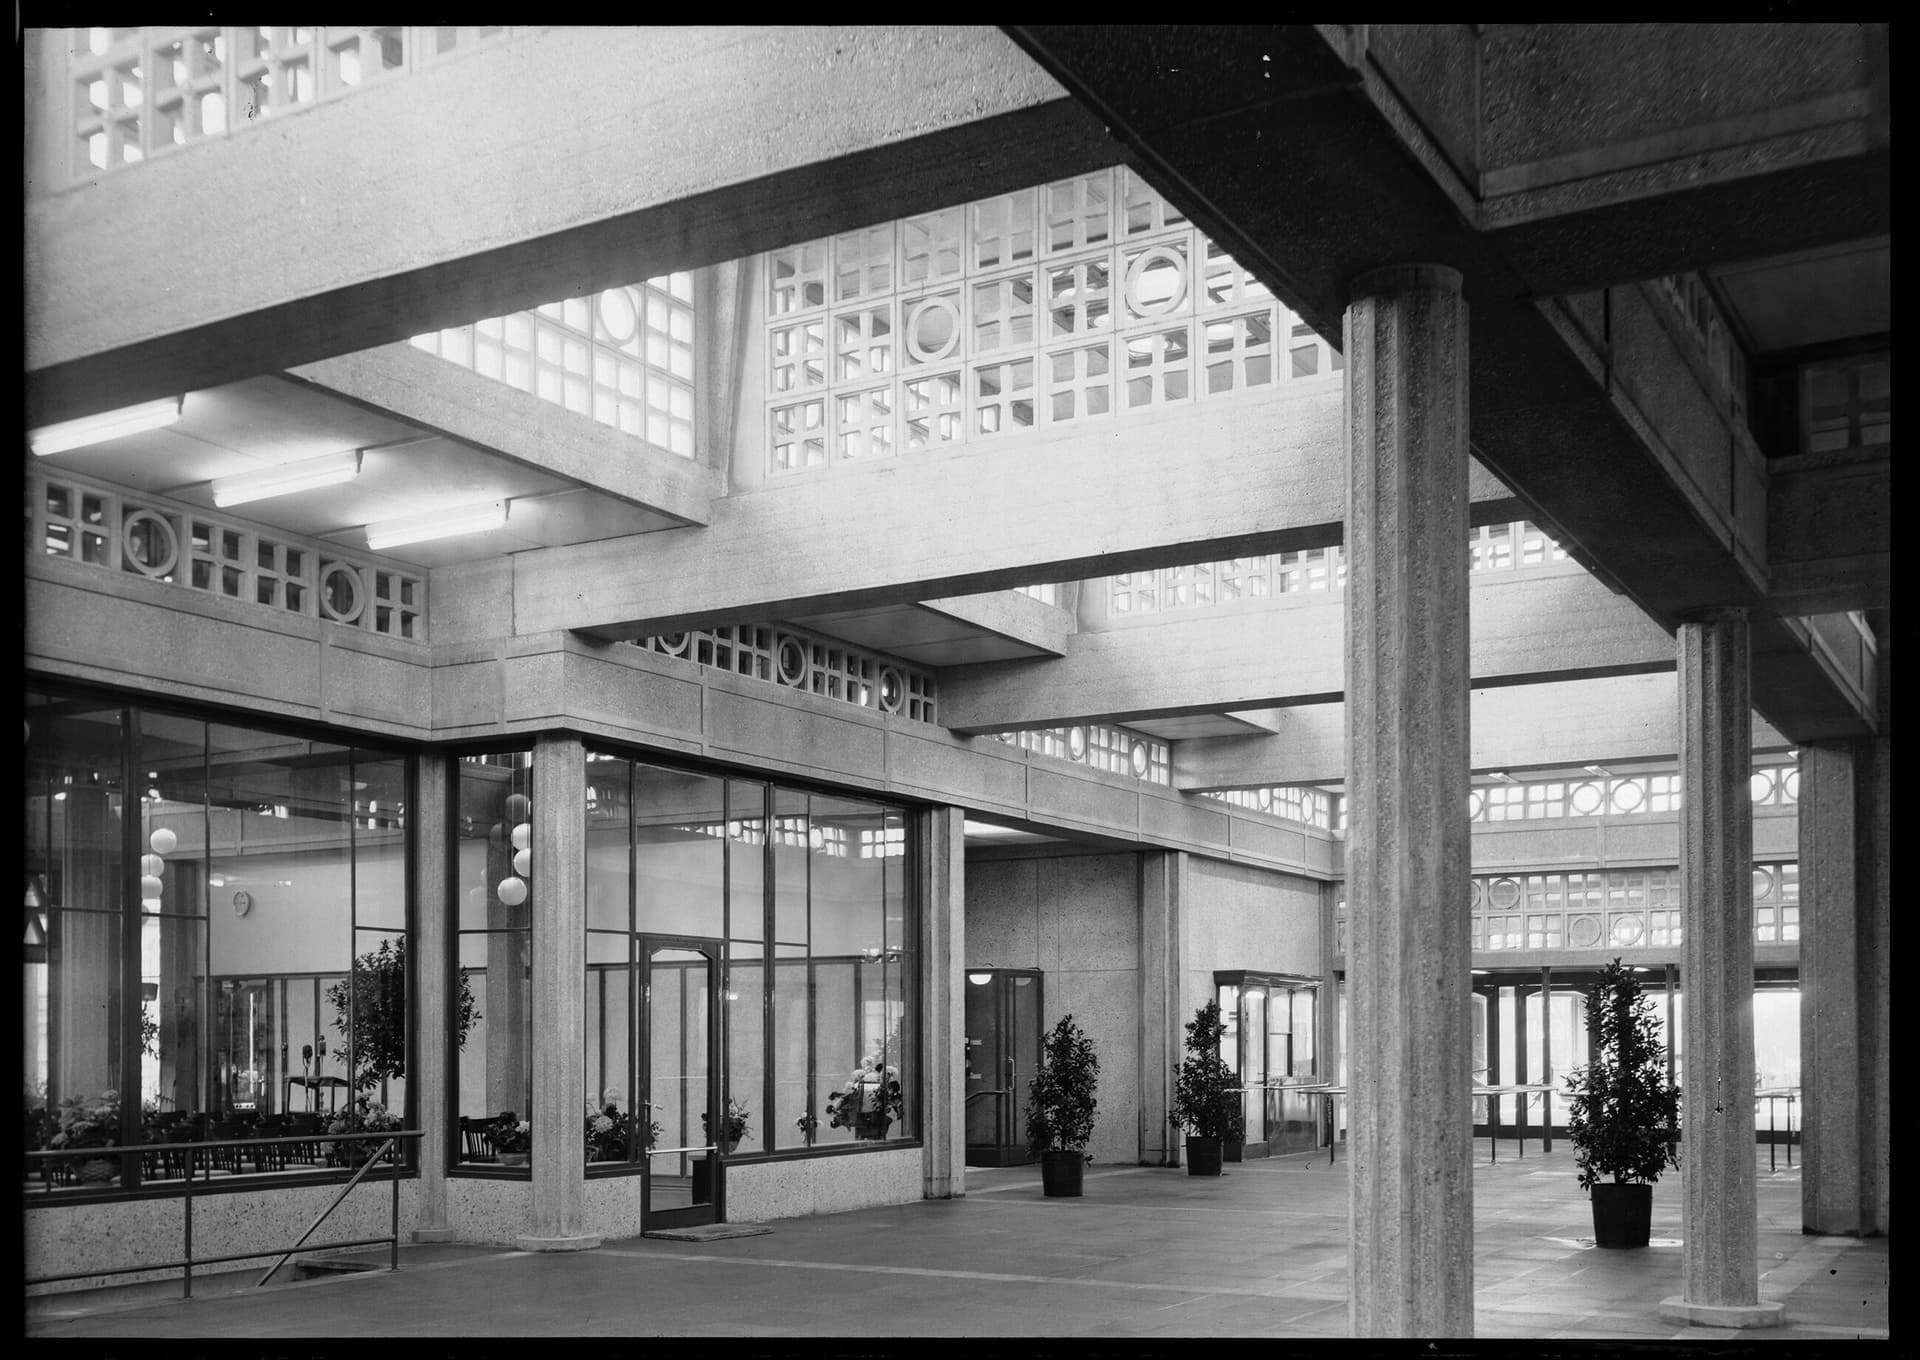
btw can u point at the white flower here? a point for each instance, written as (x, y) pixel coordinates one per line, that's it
(602, 1124)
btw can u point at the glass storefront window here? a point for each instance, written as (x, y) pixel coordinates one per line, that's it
(203, 890)
(494, 886)
(722, 863)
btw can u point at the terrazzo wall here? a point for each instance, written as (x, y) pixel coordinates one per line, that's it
(68, 1237)
(1076, 918)
(758, 1193)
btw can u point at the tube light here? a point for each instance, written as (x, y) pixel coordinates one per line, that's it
(461, 519)
(327, 470)
(97, 429)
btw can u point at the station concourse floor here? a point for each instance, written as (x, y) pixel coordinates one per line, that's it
(1147, 1253)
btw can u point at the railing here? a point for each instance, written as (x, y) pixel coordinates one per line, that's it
(189, 1152)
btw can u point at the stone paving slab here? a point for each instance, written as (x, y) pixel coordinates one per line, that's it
(1147, 1252)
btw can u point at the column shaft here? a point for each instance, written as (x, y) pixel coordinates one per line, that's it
(559, 900)
(1410, 1202)
(432, 956)
(1717, 1168)
(943, 941)
(1830, 1018)
(1162, 891)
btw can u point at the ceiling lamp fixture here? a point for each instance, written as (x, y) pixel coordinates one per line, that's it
(329, 469)
(462, 519)
(97, 429)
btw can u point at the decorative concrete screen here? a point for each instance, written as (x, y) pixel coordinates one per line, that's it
(1061, 303)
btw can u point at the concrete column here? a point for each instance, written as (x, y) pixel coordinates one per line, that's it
(1717, 1155)
(1163, 884)
(1410, 1174)
(1837, 987)
(559, 996)
(432, 958)
(943, 954)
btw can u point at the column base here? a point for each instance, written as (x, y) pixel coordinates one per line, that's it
(584, 1242)
(433, 1235)
(1762, 1314)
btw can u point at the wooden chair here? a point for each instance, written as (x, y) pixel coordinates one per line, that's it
(302, 1124)
(273, 1156)
(224, 1156)
(476, 1145)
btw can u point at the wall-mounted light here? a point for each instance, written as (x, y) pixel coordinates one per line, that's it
(330, 469)
(98, 429)
(1598, 771)
(462, 519)
(979, 979)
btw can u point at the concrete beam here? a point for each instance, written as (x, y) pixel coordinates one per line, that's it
(428, 391)
(1290, 652)
(1591, 410)
(1551, 724)
(1830, 533)
(462, 191)
(1011, 615)
(1255, 475)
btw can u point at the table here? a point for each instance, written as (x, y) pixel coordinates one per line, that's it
(1494, 1096)
(333, 1086)
(1329, 1092)
(1788, 1094)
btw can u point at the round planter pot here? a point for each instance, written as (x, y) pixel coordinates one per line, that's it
(514, 1158)
(1622, 1214)
(1060, 1174)
(1203, 1156)
(98, 1171)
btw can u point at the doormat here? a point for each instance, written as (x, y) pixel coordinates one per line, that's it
(709, 1232)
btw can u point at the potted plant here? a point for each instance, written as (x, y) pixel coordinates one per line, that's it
(608, 1127)
(733, 1126)
(370, 1012)
(364, 1115)
(1060, 1106)
(869, 1102)
(1624, 1118)
(84, 1122)
(512, 1138)
(1206, 1095)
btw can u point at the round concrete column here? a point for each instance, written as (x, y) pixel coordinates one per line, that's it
(1717, 1158)
(1410, 1176)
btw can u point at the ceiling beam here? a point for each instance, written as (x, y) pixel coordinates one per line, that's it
(1293, 651)
(1550, 724)
(1255, 474)
(463, 191)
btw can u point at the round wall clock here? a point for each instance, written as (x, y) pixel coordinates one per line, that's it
(242, 903)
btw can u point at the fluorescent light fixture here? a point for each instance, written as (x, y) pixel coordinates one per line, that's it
(329, 469)
(461, 519)
(97, 429)
(1598, 771)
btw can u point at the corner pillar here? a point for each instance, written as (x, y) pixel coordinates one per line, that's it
(943, 942)
(559, 996)
(1410, 1172)
(1163, 891)
(1718, 1164)
(432, 958)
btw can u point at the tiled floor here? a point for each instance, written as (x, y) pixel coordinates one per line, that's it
(1146, 1253)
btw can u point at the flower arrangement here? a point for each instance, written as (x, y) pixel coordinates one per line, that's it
(364, 1115)
(608, 1128)
(508, 1132)
(807, 1122)
(87, 1121)
(733, 1124)
(871, 1099)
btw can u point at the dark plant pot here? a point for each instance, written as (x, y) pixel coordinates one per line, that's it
(514, 1158)
(1622, 1214)
(1203, 1156)
(98, 1171)
(727, 1145)
(871, 1126)
(1060, 1174)
(1230, 1149)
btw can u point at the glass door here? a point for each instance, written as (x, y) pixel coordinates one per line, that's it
(1003, 1053)
(680, 1065)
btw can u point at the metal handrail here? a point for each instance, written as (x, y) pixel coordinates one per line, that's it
(377, 1160)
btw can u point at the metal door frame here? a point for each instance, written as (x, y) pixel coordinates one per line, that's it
(1011, 1149)
(714, 951)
